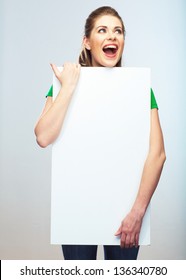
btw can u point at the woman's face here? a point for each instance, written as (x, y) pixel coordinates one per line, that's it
(106, 41)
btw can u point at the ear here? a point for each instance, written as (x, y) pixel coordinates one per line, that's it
(86, 43)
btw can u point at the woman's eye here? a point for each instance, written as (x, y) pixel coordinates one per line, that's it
(102, 30)
(119, 31)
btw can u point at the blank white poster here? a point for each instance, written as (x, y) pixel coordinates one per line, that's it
(98, 158)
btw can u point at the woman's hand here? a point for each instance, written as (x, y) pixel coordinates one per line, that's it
(130, 229)
(69, 76)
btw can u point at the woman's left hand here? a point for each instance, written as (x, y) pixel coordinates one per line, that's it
(130, 230)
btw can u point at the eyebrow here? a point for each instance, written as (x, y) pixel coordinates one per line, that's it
(104, 26)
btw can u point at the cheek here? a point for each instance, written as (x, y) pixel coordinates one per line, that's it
(96, 49)
(122, 44)
(96, 43)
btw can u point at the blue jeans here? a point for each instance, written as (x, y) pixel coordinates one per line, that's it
(89, 252)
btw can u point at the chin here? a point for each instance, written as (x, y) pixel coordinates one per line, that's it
(106, 62)
(110, 64)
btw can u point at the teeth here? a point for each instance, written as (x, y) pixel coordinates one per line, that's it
(110, 47)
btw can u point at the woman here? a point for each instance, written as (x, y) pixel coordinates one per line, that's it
(103, 45)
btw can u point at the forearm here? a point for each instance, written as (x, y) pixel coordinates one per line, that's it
(149, 181)
(153, 166)
(51, 121)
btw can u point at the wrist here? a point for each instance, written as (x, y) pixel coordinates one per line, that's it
(66, 90)
(139, 210)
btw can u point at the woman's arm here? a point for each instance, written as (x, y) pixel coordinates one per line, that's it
(131, 225)
(51, 120)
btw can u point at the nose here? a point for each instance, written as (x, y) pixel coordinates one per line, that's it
(111, 35)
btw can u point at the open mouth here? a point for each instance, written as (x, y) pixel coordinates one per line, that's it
(110, 50)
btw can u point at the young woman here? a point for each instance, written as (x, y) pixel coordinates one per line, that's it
(103, 45)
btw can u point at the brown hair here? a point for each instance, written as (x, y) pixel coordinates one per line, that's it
(85, 58)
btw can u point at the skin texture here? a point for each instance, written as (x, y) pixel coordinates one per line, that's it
(107, 31)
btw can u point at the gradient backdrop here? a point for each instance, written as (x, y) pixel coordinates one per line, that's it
(35, 33)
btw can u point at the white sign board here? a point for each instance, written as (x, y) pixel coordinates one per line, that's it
(98, 158)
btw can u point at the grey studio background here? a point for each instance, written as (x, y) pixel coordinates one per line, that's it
(35, 33)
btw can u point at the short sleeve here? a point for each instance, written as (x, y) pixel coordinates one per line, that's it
(50, 92)
(153, 100)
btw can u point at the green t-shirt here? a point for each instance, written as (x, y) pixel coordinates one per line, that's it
(153, 99)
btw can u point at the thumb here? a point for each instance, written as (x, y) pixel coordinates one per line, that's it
(118, 232)
(55, 69)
